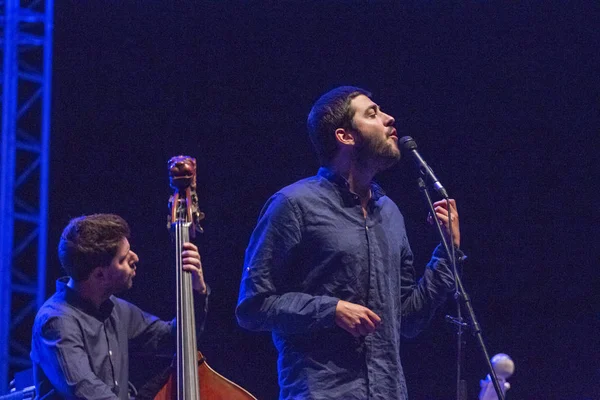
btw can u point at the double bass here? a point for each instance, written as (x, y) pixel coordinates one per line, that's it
(191, 378)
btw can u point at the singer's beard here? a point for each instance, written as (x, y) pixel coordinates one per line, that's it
(378, 154)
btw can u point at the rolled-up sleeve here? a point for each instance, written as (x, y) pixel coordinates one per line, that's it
(261, 306)
(421, 298)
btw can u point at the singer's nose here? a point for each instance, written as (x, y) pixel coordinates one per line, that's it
(390, 120)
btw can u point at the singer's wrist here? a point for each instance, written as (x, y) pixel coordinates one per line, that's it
(440, 252)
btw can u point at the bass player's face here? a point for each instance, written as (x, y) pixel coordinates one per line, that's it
(120, 272)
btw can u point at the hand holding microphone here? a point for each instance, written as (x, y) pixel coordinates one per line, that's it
(445, 210)
(441, 212)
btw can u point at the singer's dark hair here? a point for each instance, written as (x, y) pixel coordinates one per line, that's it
(330, 112)
(90, 241)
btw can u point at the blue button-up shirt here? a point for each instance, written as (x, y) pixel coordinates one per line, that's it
(313, 246)
(81, 352)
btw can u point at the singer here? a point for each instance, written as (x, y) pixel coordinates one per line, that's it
(329, 270)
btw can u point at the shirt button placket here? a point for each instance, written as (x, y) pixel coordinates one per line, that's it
(368, 338)
(110, 356)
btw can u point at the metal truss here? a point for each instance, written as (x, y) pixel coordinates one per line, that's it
(26, 47)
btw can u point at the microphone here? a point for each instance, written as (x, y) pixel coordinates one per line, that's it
(409, 146)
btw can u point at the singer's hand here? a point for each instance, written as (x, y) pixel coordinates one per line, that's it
(356, 319)
(441, 211)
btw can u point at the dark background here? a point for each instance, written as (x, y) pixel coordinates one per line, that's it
(502, 98)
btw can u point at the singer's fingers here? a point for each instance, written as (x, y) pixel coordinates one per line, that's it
(354, 332)
(443, 203)
(443, 217)
(373, 317)
(444, 213)
(441, 214)
(372, 320)
(442, 210)
(362, 331)
(366, 326)
(453, 206)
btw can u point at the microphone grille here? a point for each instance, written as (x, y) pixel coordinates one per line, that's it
(407, 143)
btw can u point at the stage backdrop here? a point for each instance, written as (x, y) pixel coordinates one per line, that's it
(502, 99)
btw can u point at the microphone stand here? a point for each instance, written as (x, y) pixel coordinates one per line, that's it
(460, 294)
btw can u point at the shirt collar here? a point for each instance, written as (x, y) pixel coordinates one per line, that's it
(342, 183)
(73, 298)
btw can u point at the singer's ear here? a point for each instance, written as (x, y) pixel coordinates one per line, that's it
(345, 136)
